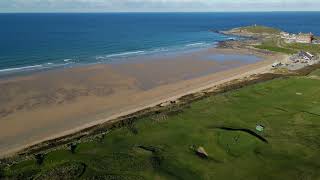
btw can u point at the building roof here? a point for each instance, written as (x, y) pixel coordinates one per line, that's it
(305, 54)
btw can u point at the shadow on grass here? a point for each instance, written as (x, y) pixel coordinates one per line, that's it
(246, 131)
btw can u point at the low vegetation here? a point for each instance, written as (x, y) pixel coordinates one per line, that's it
(315, 73)
(273, 45)
(275, 48)
(278, 45)
(260, 30)
(313, 48)
(163, 146)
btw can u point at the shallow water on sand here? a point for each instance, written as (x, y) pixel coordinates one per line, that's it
(234, 57)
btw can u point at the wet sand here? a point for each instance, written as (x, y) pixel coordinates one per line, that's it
(47, 105)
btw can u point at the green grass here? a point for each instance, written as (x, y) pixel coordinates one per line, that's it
(315, 73)
(313, 48)
(261, 29)
(271, 45)
(287, 107)
(288, 48)
(275, 49)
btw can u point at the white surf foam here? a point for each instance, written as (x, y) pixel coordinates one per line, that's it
(67, 60)
(154, 51)
(197, 44)
(32, 68)
(125, 54)
(21, 68)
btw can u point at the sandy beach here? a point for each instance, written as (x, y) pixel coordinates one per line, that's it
(46, 105)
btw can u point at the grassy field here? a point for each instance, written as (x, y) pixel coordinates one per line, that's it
(274, 48)
(272, 45)
(162, 146)
(261, 29)
(313, 48)
(278, 45)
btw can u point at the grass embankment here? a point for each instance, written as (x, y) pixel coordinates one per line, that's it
(162, 146)
(315, 73)
(260, 30)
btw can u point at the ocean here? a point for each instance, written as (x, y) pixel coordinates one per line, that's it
(38, 41)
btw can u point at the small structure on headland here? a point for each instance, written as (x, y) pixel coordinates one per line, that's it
(306, 38)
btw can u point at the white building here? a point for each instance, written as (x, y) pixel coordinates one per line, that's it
(297, 38)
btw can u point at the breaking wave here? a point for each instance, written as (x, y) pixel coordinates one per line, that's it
(154, 51)
(48, 65)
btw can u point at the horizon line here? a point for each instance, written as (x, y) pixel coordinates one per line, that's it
(115, 12)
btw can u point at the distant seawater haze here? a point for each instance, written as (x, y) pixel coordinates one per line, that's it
(38, 41)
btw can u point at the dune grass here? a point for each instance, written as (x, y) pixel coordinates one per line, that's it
(162, 146)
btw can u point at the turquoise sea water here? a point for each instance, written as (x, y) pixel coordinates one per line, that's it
(42, 41)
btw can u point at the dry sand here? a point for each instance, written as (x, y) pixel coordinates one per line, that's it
(48, 105)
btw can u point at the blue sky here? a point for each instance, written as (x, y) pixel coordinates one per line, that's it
(156, 5)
